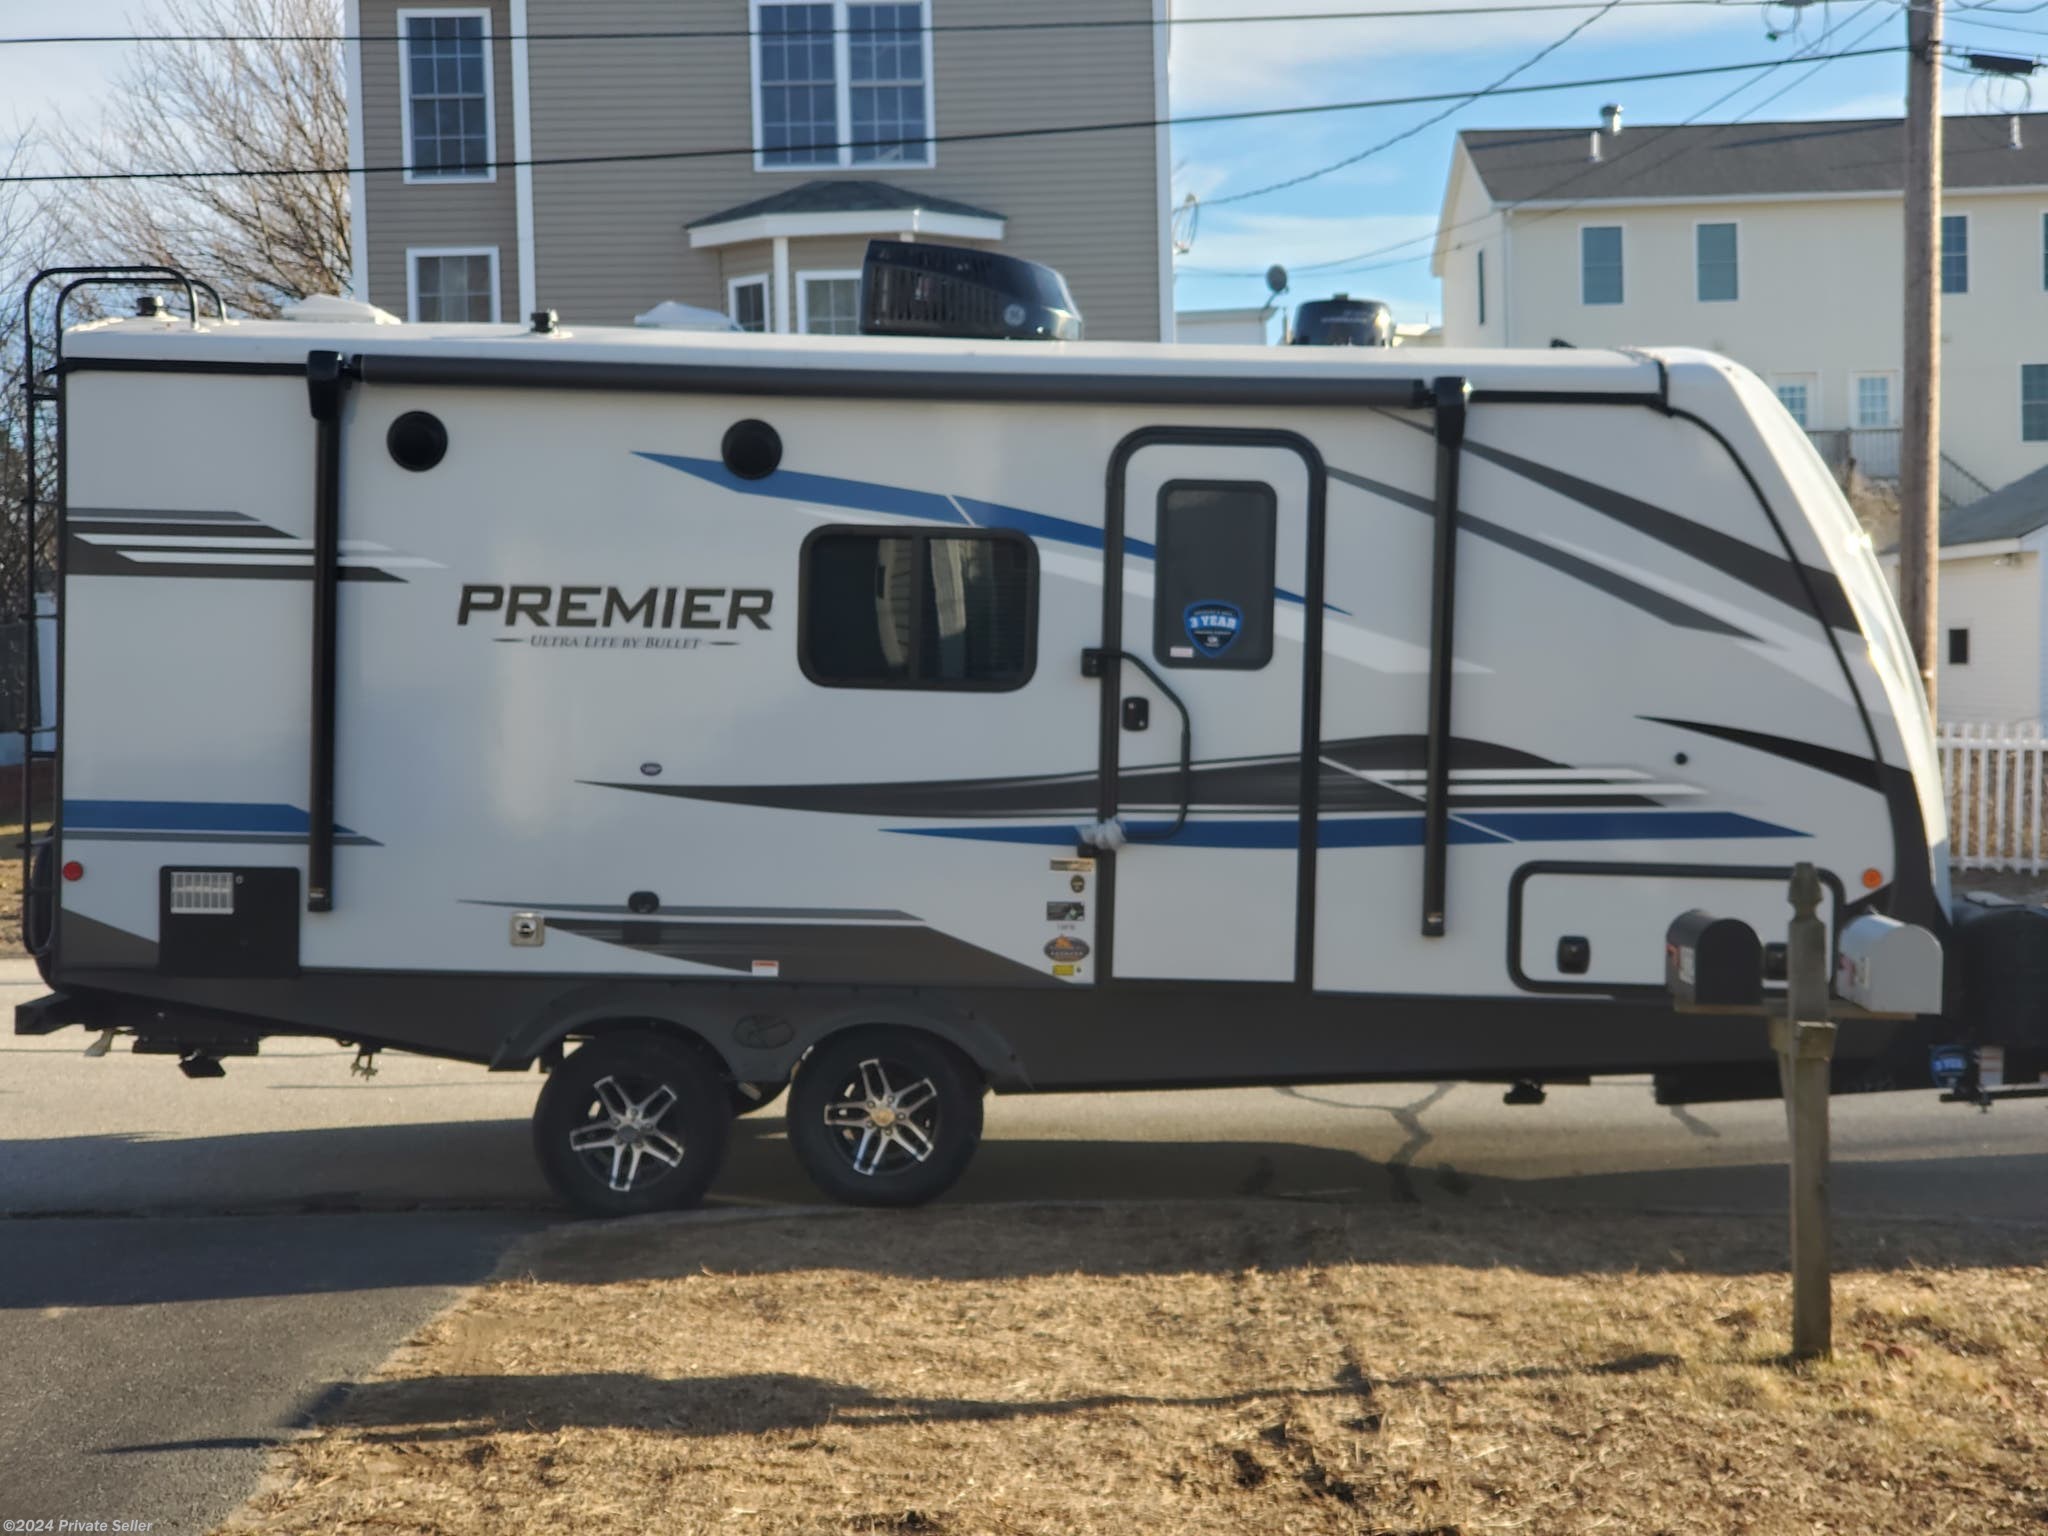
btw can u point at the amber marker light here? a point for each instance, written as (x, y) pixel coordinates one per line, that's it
(1872, 879)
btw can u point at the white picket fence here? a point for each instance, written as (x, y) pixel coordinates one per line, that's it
(1994, 775)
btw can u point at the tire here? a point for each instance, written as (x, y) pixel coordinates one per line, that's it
(744, 1103)
(39, 907)
(885, 1117)
(636, 1109)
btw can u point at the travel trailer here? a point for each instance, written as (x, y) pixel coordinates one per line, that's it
(895, 718)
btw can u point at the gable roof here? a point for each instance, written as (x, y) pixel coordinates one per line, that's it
(1748, 159)
(834, 196)
(2011, 512)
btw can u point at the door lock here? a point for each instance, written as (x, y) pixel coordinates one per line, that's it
(1137, 712)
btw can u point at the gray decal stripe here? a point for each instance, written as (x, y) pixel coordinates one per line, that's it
(83, 559)
(891, 955)
(152, 515)
(819, 914)
(1773, 575)
(288, 839)
(1635, 594)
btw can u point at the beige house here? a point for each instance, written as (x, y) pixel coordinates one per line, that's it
(1781, 245)
(599, 157)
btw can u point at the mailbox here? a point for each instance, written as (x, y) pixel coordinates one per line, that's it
(1713, 962)
(1888, 966)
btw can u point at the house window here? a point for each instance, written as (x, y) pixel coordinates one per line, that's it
(914, 609)
(1715, 259)
(1795, 392)
(2044, 250)
(2034, 402)
(1959, 647)
(828, 303)
(459, 285)
(1481, 287)
(1874, 400)
(1213, 574)
(445, 81)
(746, 300)
(842, 84)
(1600, 264)
(1955, 253)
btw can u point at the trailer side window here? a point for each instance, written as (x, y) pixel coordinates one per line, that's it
(908, 608)
(1213, 595)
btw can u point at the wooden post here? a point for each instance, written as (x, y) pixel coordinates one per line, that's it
(1805, 1043)
(1920, 418)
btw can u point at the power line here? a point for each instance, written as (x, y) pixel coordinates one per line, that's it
(699, 34)
(236, 173)
(1365, 261)
(1428, 122)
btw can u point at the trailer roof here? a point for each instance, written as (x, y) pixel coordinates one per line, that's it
(286, 342)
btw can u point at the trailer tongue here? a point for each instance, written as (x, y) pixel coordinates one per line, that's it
(960, 706)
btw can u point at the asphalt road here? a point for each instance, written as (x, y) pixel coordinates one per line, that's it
(186, 1266)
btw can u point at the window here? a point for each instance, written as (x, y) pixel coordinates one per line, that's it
(1600, 263)
(907, 608)
(2034, 402)
(841, 83)
(454, 285)
(2044, 250)
(746, 300)
(1796, 393)
(1718, 274)
(1955, 253)
(828, 303)
(1959, 647)
(1481, 287)
(445, 81)
(1213, 574)
(1874, 400)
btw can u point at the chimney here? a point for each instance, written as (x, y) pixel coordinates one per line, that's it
(1610, 119)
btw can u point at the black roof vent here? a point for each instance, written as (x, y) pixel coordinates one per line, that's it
(909, 288)
(1343, 322)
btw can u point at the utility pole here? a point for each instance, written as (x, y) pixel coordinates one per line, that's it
(1920, 435)
(1805, 1042)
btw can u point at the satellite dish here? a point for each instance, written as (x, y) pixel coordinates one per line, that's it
(1276, 279)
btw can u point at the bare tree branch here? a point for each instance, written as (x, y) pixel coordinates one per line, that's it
(263, 104)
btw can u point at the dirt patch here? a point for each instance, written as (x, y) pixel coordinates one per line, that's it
(1200, 1368)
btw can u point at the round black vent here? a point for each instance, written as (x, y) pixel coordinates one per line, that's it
(752, 449)
(417, 441)
(642, 903)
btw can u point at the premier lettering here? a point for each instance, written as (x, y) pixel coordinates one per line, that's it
(613, 608)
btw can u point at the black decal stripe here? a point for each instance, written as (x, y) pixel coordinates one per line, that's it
(815, 914)
(83, 559)
(805, 952)
(1346, 782)
(128, 516)
(122, 533)
(1788, 581)
(1658, 604)
(1843, 765)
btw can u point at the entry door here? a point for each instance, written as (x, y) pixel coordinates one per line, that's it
(1209, 587)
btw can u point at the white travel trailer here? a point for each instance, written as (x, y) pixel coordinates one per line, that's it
(901, 717)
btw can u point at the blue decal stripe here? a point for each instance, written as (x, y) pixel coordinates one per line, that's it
(895, 501)
(1406, 831)
(824, 490)
(239, 816)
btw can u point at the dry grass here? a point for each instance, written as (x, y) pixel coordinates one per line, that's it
(1202, 1368)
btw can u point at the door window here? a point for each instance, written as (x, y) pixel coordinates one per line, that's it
(1213, 602)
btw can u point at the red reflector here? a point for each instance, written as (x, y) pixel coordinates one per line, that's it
(74, 870)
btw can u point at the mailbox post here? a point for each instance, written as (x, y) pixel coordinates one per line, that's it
(1804, 1039)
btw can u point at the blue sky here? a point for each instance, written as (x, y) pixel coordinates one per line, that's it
(1389, 198)
(1395, 196)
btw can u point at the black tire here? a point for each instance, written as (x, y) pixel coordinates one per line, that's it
(667, 1159)
(763, 1095)
(39, 907)
(928, 1094)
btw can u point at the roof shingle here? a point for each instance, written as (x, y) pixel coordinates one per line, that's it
(842, 197)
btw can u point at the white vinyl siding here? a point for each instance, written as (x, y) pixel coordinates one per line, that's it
(840, 84)
(828, 303)
(1600, 264)
(457, 285)
(444, 63)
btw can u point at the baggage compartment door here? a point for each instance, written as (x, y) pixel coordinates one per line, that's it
(1212, 586)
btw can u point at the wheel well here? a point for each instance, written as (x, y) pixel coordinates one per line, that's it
(669, 1028)
(889, 1027)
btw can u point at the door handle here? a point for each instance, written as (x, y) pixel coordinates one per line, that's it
(1137, 712)
(1094, 663)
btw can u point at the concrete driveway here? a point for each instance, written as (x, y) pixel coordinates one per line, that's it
(183, 1265)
